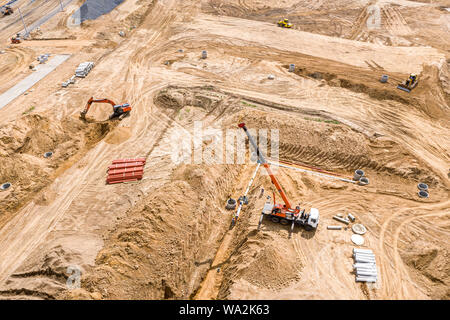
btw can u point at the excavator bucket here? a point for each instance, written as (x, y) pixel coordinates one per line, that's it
(86, 108)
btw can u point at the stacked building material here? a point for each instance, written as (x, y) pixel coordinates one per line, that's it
(365, 265)
(125, 170)
(65, 84)
(83, 69)
(43, 58)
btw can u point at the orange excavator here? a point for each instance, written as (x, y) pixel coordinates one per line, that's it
(283, 213)
(119, 110)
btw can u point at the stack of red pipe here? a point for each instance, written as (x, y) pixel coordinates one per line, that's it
(125, 170)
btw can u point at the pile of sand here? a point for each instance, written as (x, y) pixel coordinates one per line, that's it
(22, 146)
(431, 261)
(166, 243)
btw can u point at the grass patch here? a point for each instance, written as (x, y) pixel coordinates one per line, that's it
(29, 110)
(323, 120)
(248, 104)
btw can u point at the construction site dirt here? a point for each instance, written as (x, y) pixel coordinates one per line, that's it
(169, 235)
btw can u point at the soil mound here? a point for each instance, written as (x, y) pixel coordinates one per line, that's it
(22, 147)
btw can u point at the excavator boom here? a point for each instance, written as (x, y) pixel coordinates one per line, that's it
(263, 161)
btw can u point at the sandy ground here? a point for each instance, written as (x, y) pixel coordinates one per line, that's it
(168, 236)
(41, 71)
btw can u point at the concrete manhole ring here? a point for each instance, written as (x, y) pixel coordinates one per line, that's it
(423, 194)
(357, 239)
(231, 204)
(422, 186)
(5, 186)
(363, 181)
(358, 174)
(359, 229)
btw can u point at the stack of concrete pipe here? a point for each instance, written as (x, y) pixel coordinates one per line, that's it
(365, 265)
(83, 69)
(43, 58)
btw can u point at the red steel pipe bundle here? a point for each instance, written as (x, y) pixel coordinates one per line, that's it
(125, 170)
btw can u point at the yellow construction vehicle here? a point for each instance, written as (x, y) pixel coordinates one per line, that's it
(409, 84)
(284, 23)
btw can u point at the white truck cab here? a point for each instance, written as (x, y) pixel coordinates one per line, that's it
(313, 219)
(268, 207)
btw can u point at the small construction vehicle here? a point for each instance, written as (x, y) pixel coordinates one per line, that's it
(16, 39)
(409, 84)
(284, 23)
(119, 110)
(282, 213)
(7, 10)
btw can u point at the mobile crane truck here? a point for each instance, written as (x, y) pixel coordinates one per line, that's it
(282, 213)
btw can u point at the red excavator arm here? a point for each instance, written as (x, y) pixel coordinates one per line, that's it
(266, 165)
(89, 103)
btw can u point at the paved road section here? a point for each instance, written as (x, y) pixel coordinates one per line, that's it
(42, 70)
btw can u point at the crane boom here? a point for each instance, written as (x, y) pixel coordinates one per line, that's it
(266, 165)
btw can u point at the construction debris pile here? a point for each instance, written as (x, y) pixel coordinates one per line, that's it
(65, 84)
(43, 58)
(83, 69)
(125, 170)
(365, 265)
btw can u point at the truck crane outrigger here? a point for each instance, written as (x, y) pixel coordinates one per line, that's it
(283, 213)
